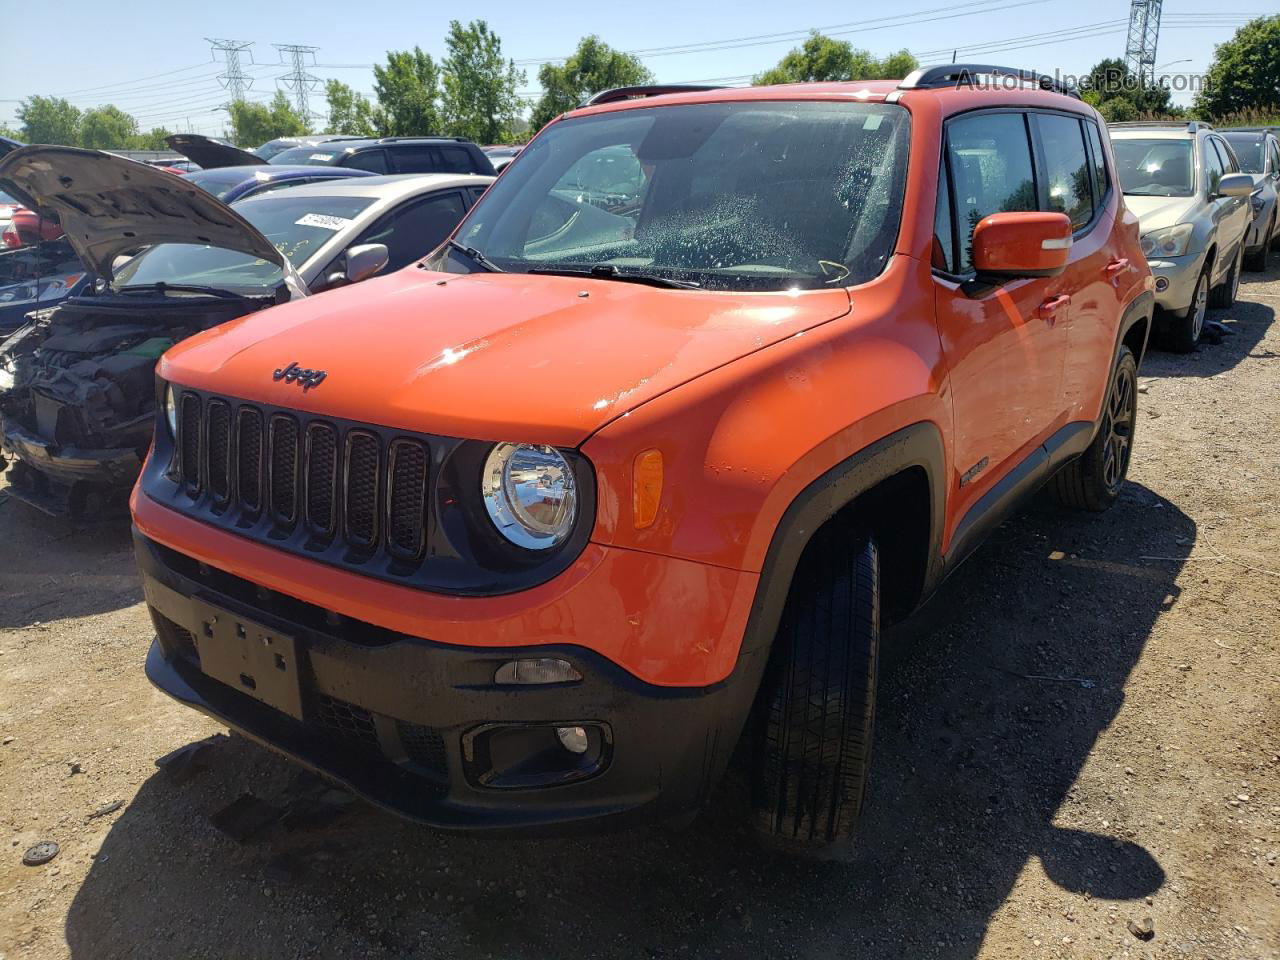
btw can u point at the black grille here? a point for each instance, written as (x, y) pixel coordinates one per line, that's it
(284, 468)
(346, 720)
(322, 477)
(189, 438)
(249, 459)
(362, 473)
(407, 498)
(218, 436)
(422, 745)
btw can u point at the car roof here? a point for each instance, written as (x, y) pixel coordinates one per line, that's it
(360, 143)
(386, 187)
(284, 171)
(1154, 132)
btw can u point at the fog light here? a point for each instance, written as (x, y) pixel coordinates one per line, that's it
(1162, 284)
(573, 739)
(542, 670)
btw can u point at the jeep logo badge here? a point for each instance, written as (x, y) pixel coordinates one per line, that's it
(296, 374)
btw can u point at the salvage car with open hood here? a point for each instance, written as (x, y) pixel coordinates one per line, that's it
(76, 382)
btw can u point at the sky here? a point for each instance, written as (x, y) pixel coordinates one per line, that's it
(152, 58)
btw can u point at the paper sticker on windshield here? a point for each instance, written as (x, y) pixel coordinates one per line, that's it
(872, 122)
(321, 156)
(324, 220)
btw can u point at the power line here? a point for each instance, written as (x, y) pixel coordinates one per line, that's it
(233, 78)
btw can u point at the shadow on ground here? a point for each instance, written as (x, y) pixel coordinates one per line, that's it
(1247, 323)
(990, 705)
(91, 570)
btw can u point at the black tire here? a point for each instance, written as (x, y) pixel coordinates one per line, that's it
(1257, 261)
(1092, 481)
(814, 718)
(1224, 294)
(1181, 334)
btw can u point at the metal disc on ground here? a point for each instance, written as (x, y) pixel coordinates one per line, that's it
(40, 853)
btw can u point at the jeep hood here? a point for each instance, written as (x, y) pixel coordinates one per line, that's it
(110, 206)
(491, 356)
(1155, 213)
(209, 153)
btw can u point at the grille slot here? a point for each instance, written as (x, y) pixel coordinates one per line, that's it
(189, 440)
(423, 745)
(407, 498)
(218, 437)
(284, 469)
(363, 461)
(249, 458)
(322, 477)
(346, 720)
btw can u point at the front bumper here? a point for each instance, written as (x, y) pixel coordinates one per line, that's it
(1180, 275)
(52, 476)
(397, 718)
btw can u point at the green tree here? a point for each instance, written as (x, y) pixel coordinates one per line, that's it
(108, 128)
(407, 89)
(593, 67)
(7, 131)
(1245, 74)
(822, 58)
(253, 124)
(49, 120)
(480, 101)
(1118, 95)
(350, 113)
(153, 140)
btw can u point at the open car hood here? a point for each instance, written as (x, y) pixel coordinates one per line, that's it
(209, 153)
(111, 206)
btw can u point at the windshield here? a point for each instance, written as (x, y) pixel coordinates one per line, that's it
(297, 226)
(272, 147)
(1155, 168)
(307, 155)
(1248, 152)
(729, 196)
(219, 182)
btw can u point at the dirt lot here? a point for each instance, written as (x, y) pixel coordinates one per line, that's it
(1083, 730)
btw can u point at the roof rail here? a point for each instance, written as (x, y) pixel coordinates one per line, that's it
(964, 74)
(1191, 126)
(650, 90)
(421, 136)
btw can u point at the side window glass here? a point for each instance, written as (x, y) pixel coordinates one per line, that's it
(1099, 162)
(456, 160)
(1275, 158)
(476, 192)
(990, 159)
(415, 158)
(416, 229)
(1066, 166)
(1228, 157)
(1213, 166)
(375, 160)
(943, 239)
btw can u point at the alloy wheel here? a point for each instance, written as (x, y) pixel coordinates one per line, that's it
(1122, 410)
(1199, 304)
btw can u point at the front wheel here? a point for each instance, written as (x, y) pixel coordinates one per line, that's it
(1183, 333)
(1093, 480)
(813, 720)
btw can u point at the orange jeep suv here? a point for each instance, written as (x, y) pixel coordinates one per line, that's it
(627, 475)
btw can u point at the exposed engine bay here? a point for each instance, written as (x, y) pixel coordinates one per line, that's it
(77, 392)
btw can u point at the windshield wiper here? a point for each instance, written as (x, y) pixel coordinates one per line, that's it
(161, 287)
(475, 256)
(607, 271)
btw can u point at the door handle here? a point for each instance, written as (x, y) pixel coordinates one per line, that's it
(1049, 309)
(1115, 266)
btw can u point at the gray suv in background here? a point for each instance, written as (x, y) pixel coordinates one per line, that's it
(1183, 182)
(1258, 151)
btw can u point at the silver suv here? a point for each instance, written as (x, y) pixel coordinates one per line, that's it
(1258, 150)
(1183, 182)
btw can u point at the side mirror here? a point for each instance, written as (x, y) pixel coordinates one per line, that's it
(1235, 185)
(1021, 244)
(365, 260)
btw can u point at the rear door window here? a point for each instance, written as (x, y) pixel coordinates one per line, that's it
(1068, 181)
(375, 160)
(456, 160)
(415, 158)
(989, 157)
(1101, 180)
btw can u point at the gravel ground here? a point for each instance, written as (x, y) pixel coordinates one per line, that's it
(1081, 732)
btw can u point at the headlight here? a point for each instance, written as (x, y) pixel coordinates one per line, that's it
(1169, 242)
(171, 411)
(529, 493)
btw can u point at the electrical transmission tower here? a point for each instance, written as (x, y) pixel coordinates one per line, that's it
(298, 81)
(233, 78)
(1144, 31)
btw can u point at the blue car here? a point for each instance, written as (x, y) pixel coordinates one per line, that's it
(236, 183)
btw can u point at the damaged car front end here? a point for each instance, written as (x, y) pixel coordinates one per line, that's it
(77, 381)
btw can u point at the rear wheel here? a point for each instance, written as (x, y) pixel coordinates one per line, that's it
(1224, 294)
(1258, 260)
(813, 721)
(1093, 480)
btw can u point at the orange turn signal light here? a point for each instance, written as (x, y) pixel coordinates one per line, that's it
(647, 489)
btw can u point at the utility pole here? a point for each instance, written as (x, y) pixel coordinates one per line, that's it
(234, 79)
(1144, 31)
(298, 81)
